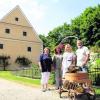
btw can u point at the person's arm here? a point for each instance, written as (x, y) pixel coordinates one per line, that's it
(74, 60)
(54, 62)
(87, 56)
(86, 59)
(39, 63)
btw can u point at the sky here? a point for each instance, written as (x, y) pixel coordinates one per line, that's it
(45, 15)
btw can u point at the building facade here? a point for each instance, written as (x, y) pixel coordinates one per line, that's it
(18, 38)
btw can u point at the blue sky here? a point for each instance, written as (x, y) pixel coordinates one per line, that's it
(45, 15)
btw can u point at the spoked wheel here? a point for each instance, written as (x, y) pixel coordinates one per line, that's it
(91, 97)
(86, 96)
(73, 98)
(72, 95)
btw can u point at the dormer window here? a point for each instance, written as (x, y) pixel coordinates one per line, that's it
(7, 30)
(24, 33)
(16, 19)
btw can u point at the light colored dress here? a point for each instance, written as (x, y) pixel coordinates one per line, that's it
(67, 61)
(57, 62)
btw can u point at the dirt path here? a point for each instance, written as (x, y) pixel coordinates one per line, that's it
(14, 91)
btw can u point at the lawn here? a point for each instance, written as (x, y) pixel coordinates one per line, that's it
(24, 80)
(28, 81)
(97, 90)
(10, 76)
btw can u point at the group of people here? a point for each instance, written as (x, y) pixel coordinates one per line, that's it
(61, 61)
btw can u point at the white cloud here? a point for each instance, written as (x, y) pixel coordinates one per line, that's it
(33, 9)
(30, 7)
(37, 11)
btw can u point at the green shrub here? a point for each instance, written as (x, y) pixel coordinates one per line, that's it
(95, 73)
(95, 49)
(23, 61)
(4, 61)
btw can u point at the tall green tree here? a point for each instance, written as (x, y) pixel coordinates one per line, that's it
(44, 40)
(57, 34)
(87, 26)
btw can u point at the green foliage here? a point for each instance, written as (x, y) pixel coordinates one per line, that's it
(95, 64)
(97, 90)
(75, 26)
(23, 80)
(94, 71)
(44, 39)
(55, 36)
(52, 78)
(86, 26)
(95, 49)
(4, 61)
(23, 61)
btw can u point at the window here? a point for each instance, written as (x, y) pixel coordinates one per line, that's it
(24, 33)
(29, 49)
(7, 30)
(16, 18)
(1, 46)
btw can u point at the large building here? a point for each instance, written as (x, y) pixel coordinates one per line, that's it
(18, 37)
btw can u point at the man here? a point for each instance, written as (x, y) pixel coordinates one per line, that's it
(82, 54)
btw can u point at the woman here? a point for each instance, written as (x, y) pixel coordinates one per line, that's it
(45, 63)
(57, 63)
(68, 59)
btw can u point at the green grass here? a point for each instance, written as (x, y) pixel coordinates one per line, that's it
(9, 76)
(28, 81)
(97, 90)
(24, 80)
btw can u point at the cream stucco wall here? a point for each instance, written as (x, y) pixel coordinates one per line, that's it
(14, 43)
(16, 32)
(16, 12)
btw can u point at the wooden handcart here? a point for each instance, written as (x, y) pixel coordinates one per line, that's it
(77, 85)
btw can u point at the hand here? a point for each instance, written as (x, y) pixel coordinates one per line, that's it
(83, 64)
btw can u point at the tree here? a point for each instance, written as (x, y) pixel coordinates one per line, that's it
(57, 34)
(44, 39)
(87, 26)
(4, 61)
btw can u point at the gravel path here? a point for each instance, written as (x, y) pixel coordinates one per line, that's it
(15, 91)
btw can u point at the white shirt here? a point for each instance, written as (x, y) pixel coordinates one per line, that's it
(81, 55)
(67, 60)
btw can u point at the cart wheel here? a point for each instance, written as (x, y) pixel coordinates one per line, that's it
(86, 96)
(91, 97)
(72, 95)
(73, 98)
